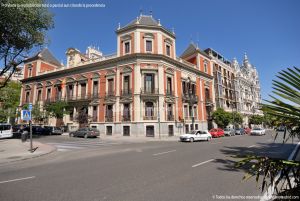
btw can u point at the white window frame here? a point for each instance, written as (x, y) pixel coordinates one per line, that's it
(124, 48)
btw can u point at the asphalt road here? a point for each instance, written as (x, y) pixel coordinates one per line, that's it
(138, 171)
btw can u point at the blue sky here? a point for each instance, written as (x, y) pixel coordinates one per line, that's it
(268, 30)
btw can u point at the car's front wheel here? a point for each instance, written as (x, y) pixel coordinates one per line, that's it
(192, 140)
(71, 135)
(85, 136)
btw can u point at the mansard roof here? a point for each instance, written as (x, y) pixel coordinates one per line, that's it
(192, 49)
(145, 21)
(44, 55)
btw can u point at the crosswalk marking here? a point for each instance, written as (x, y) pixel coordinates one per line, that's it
(79, 145)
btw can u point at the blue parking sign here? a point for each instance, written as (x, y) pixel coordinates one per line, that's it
(26, 115)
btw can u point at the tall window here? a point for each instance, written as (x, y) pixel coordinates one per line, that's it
(168, 50)
(29, 72)
(127, 47)
(70, 91)
(170, 112)
(110, 87)
(95, 116)
(126, 112)
(148, 45)
(149, 109)
(58, 92)
(27, 97)
(186, 113)
(126, 85)
(169, 85)
(149, 83)
(48, 93)
(39, 95)
(195, 112)
(191, 111)
(109, 111)
(95, 88)
(205, 67)
(183, 88)
(207, 94)
(83, 89)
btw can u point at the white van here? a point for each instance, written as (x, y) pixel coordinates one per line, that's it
(5, 130)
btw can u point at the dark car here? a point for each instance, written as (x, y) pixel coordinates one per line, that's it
(18, 129)
(85, 132)
(52, 130)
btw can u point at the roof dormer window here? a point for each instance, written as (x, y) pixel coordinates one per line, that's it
(127, 47)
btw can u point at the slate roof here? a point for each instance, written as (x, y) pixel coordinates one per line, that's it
(147, 20)
(189, 50)
(45, 55)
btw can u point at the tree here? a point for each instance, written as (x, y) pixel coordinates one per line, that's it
(21, 29)
(236, 118)
(9, 101)
(83, 118)
(284, 108)
(221, 118)
(38, 113)
(57, 110)
(256, 119)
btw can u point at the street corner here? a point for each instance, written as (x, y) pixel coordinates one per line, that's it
(13, 150)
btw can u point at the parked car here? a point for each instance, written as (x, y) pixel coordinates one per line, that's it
(216, 132)
(52, 130)
(229, 132)
(258, 131)
(85, 132)
(6, 130)
(37, 130)
(247, 130)
(17, 130)
(196, 135)
(280, 129)
(239, 131)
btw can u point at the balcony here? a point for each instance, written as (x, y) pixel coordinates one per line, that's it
(109, 94)
(109, 118)
(126, 93)
(126, 118)
(170, 117)
(149, 92)
(150, 117)
(190, 98)
(170, 93)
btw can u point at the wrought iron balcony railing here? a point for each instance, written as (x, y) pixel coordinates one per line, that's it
(150, 117)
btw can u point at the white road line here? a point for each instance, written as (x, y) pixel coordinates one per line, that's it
(198, 164)
(164, 152)
(252, 146)
(7, 181)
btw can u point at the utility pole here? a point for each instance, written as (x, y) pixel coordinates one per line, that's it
(30, 124)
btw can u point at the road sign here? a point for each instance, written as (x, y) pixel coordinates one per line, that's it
(30, 106)
(26, 115)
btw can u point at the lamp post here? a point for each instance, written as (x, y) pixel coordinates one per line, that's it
(233, 120)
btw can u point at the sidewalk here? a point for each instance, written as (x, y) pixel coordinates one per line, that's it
(14, 150)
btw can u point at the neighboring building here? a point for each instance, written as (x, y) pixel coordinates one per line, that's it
(16, 76)
(142, 90)
(248, 89)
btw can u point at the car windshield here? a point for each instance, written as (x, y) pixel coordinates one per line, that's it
(227, 129)
(192, 132)
(257, 129)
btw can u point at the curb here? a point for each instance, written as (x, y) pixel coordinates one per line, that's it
(53, 149)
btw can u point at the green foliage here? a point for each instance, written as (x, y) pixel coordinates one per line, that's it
(38, 113)
(21, 28)
(285, 103)
(236, 118)
(9, 100)
(256, 119)
(221, 118)
(57, 109)
(265, 171)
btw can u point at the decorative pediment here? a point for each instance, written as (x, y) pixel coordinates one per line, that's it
(96, 76)
(82, 78)
(206, 83)
(170, 71)
(149, 35)
(126, 69)
(58, 82)
(39, 85)
(126, 37)
(170, 99)
(169, 41)
(110, 73)
(48, 84)
(27, 87)
(70, 80)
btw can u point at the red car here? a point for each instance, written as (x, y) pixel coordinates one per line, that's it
(247, 130)
(216, 132)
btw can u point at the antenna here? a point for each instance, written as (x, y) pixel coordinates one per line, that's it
(141, 10)
(151, 11)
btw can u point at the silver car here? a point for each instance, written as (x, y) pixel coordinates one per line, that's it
(85, 132)
(229, 132)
